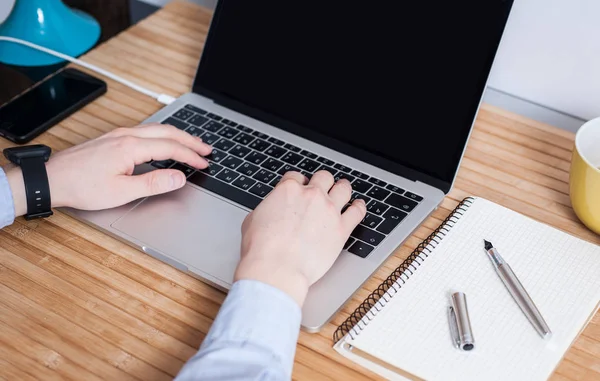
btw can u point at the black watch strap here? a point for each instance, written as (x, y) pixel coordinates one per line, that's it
(37, 189)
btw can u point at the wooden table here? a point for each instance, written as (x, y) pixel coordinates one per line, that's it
(77, 304)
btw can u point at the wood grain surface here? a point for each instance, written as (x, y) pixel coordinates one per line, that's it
(77, 304)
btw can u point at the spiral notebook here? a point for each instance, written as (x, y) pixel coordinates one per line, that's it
(401, 331)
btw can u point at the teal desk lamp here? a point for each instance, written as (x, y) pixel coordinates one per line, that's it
(48, 23)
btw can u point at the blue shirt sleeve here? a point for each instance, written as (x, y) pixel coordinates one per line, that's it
(253, 337)
(7, 206)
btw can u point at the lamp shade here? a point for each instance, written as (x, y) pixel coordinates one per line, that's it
(48, 23)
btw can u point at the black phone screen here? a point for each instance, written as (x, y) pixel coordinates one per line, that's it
(47, 102)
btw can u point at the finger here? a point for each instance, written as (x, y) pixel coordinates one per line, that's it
(163, 131)
(354, 214)
(322, 180)
(151, 183)
(340, 193)
(294, 176)
(144, 150)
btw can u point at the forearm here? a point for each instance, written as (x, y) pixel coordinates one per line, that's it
(17, 187)
(7, 203)
(253, 337)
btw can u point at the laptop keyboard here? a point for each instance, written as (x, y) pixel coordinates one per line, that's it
(246, 164)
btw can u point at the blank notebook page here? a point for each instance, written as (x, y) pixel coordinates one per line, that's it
(560, 272)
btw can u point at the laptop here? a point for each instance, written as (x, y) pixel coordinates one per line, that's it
(384, 95)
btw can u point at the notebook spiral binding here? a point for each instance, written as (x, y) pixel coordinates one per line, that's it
(369, 308)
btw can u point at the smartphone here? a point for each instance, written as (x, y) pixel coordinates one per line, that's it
(48, 102)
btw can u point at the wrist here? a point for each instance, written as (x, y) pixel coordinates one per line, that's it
(17, 188)
(291, 282)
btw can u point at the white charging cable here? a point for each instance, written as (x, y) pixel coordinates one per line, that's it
(162, 98)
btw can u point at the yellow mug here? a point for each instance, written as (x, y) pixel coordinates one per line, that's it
(584, 181)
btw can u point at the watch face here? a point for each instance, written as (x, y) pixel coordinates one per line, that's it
(16, 154)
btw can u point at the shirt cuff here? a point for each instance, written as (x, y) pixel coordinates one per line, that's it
(7, 205)
(261, 315)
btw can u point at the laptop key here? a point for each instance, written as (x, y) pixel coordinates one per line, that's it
(256, 158)
(183, 114)
(246, 129)
(276, 141)
(187, 171)
(361, 249)
(371, 220)
(287, 168)
(401, 202)
(375, 181)
(342, 168)
(210, 138)
(392, 218)
(328, 169)
(212, 126)
(240, 151)
(292, 158)
(361, 186)
(275, 151)
(260, 135)
(349, 242)
(216, 155)
(308, 154)
(272, 164)
(231, 162)
(243, 138)
(162, 164)
(212, 169)
(359, 174)
(224, 144)
(198, 120)
(227, 175)
(244, 182)
(292, 148)
(176, 123)
(308, 165)
(413, 196)
(228, 132)
(225, 190)
(394, 188)
(195, 131)
(342, 175)
(259, 145)
(367, 235)
(377, 207)
(275, 181)
(248, 169)
(196, 109)
(325, 161)
(214, 116)
(264, 176)
(261, 190)
(356, 195)
(378, 193)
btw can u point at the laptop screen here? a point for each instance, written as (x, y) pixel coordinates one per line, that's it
(394, 83)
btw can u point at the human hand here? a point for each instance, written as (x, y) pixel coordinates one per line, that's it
(294, 236)
(98, 173)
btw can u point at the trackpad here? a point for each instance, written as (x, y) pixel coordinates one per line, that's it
(191, 227)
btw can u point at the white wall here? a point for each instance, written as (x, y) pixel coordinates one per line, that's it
(550, 54)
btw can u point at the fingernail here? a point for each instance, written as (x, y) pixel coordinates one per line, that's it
(177, 180)
(199, 138)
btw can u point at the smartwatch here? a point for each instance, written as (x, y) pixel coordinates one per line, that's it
(32, 160)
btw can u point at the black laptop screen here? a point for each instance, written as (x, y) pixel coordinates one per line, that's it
(397, 82)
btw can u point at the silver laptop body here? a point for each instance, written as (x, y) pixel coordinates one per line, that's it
(197, 229)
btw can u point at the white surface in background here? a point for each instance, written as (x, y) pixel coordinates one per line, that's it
(5, 7)
(550, 55)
